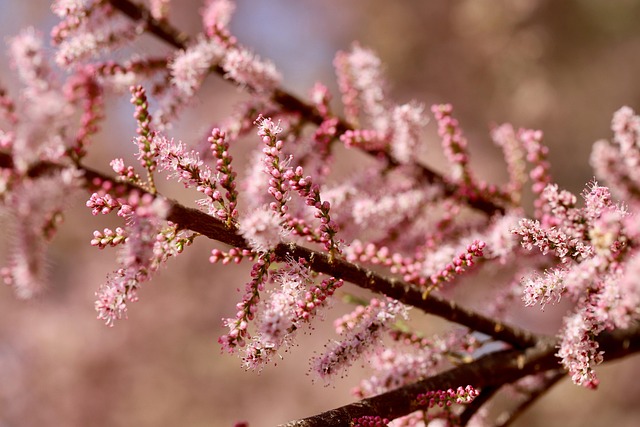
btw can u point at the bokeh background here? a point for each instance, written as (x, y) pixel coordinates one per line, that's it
(560, 66)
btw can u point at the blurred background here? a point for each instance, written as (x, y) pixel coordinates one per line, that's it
(560, 66)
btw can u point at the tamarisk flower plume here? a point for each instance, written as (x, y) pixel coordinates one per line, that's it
(295, 302)
(414, 359)
(443, 398)
(190, 66)
(39, 127)
(35, 207)
(361, 333)
(364, 94)
(369, 421)
(331, 209)
(87, 28)
(145, 244)
(217, 13)
(591, 244)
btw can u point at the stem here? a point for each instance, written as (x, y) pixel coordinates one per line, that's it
(505, 419)
(469, 410)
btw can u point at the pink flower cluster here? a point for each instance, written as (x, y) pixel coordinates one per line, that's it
(413, 269)
(146, 242)
(591, 244)
(294, 303)
(247, 308)
(422, 358)
(88, 28)
(369, 421)
(361, 331)
(442, 398)
(391, 224)
(282, 179)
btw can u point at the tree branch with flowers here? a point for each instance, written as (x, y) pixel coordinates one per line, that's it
(394, 227)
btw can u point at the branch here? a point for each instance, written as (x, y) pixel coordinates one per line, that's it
(161, 29)
(200, 222)
(291, 103)
(470, 410)
(492, 370)
(506, 418)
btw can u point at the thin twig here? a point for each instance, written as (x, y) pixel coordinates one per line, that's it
(469, 410)
(505, 419)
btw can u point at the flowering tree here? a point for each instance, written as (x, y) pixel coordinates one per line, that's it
(394, 226)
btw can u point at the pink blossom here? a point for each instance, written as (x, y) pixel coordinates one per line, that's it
(459, 264)
(408, 123)
(190, 66)
(262, 229)
(253, 184)
(247, 69)
(545, 239)
(578, 350)
(35, 207)
(226, 175)
(320, 96)
(111, 304)
(27, 271)
(27, 55)
(561, 205)
(124, 171)
(606, 233)
(414, 419)
(160, 9)
(626, 129)
(327, 229)
(363, 87)
(394, 369)
(105, 34)
(284, 179)
(360, 338)
(389, 209)
(217, 13)
(288, 308)
(622, 296)
(454, 143)
(580, 277)
(102, 203)
(410, 226)
(369, 421)
(501, 242)
(246, 309)
(121, 76)
(608, 164)
(235, 255)
(441, 398)
(537, 156)
(514, 154)
(545, 289)
(108, 237)
(278, 320)
(364, 138)
(65, 8)
(145, 244)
